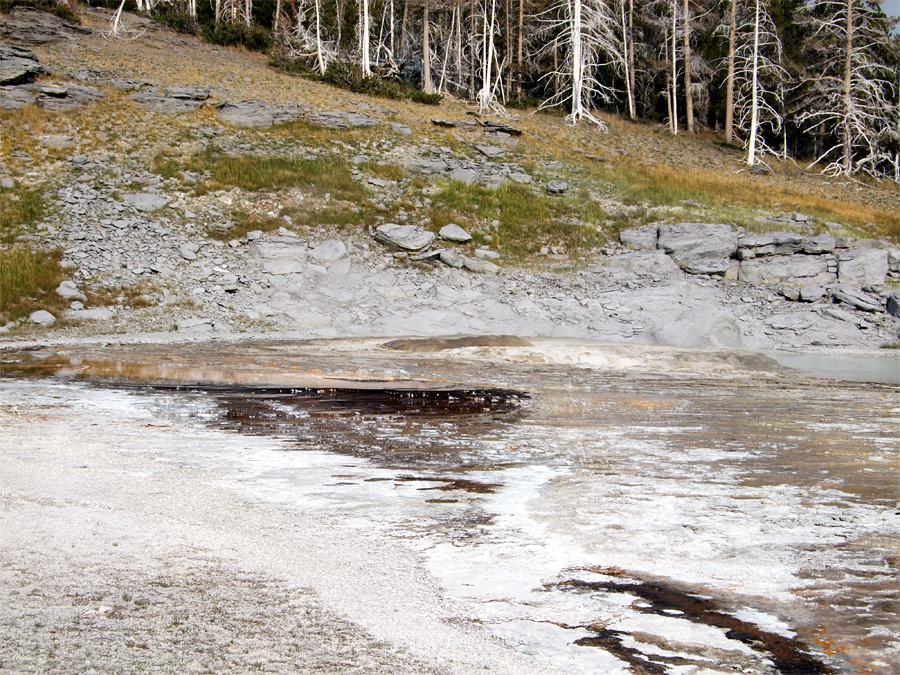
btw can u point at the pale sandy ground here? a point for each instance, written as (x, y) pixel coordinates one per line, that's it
(121, 554)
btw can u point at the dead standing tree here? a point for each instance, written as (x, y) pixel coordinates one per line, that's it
(850, 94)
(758, 78)
(587, 31)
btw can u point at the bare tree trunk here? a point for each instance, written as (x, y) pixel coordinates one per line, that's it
(391, 34)
(319, 51)
(459, 68)
(729, 86)
(403, 24)
(509, 69)
(555, 66)
(626, 44)
(848, 80)
(754, 106)
(471, 49)
(364, 30)
(688, 99)
(276, 23)
(674, 95)
(630, 55)
(427, 87)
(520, 70)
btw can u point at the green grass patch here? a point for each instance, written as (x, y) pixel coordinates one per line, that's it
(20, 208)
(28, 281)
(385, 171)
(322, 175)
(167, 167)
(528, 220)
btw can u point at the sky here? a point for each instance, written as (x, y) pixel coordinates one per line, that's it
(891, 7)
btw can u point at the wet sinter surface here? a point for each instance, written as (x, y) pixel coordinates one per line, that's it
(623, 509)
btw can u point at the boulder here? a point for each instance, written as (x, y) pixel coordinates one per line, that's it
(146, 201)
(187, 93)
(405, 237)
(640, 238)
(643, 264)
(556, 187)
(454, 232)
(162, 103)
(519, 177)
(15, 98)
(194, 326)
(823, 243)
(812, 293)
(69, 291)
(66, 98)
(453, 258)
(93, 314)
(481, 266)
(401, 129)
(256, 114)
(18, 66)
(188, 251)
(894, 261)
(699, 248)
(788, 269)
(42, 317)
(771, 243)
(27, 27)
(893, 303)
(466, 176)
(858, 299)
(337, 119)
(489, 150)
(329, 252)
(863, 266)
(486, 254)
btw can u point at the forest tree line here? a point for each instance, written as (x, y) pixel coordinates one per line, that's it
(813, 79)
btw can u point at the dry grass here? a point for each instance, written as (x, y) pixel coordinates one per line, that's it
(128, 295)
(28, 280)
(20, 129)
(664, 184)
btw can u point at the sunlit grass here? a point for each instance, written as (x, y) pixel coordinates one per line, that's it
(733, 196)
(20, 208)
(28, 280)
(526, 220)
(325, 175)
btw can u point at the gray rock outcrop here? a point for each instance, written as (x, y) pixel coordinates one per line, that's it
(256, 114)
(338, 119)
(699, 248)
(771, 243)
(858, 299)
(404, 237)
(793, 270)
(454, 232)
(27, 27)
(18, 66)
(863, 266)
(640, 238)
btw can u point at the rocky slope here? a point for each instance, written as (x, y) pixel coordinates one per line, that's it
(122, 224)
